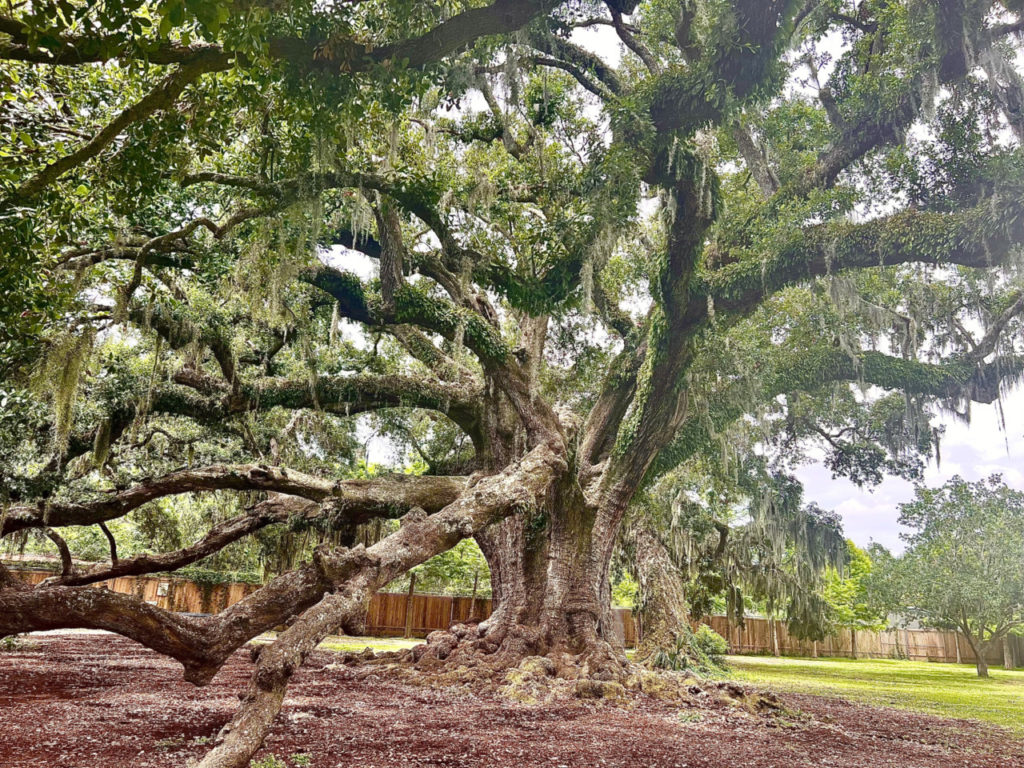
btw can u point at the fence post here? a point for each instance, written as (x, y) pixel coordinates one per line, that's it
(956, 639)
(1007, 653)
(408, 605)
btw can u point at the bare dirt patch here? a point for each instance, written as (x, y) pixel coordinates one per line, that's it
(99, 701)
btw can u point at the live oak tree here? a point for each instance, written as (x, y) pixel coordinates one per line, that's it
(964, 561)
(582, 273)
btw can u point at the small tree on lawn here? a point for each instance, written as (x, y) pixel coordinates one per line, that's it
(846, 593)
(964, 567)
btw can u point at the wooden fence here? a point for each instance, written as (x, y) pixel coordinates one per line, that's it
(168, 593)
(393, 615)
(912, 644)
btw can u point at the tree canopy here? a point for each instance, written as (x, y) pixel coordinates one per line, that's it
(239, 235)
(848, 594)
(962, 568)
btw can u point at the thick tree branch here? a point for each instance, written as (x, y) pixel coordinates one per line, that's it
(357, 574)
(375, 496)
(343, 56)
(579, 74)
(163, 95)
(349, 395)
(414, 306)
(277, 510)
(704, 92)
(982, 237)
(579, 62)
(809, 370)
(987, 345)
(627, 36)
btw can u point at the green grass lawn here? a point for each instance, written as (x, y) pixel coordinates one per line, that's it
(348, 644)
(950, 690)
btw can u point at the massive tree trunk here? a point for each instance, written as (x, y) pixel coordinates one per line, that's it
(662, 610)
(550, 564)
(551, 592)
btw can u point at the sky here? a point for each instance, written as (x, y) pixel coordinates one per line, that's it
(973, 451)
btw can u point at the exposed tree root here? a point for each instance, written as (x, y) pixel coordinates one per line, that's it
(514, 663)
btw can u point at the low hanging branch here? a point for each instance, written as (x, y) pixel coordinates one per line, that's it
(202, 644)
(266, 513)
(377, 497)
(356, 574)
(983, 236)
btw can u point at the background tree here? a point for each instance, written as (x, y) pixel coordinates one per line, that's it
(848, 597)
(558, 277)
(962, 568)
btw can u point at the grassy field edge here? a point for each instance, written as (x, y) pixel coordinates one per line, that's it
(949, 690)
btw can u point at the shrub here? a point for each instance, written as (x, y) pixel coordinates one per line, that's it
(701, 650)
(711, 643)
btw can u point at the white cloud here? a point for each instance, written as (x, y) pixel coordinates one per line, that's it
(991, 442)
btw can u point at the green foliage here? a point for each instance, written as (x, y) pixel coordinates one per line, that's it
(964, 563)
(742, 538)
(846, 592)
(454, 572)
(702, 650)
(624, 591)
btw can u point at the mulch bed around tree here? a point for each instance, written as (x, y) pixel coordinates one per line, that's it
(100, 701)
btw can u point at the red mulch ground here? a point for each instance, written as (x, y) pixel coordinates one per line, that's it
(99, 701)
